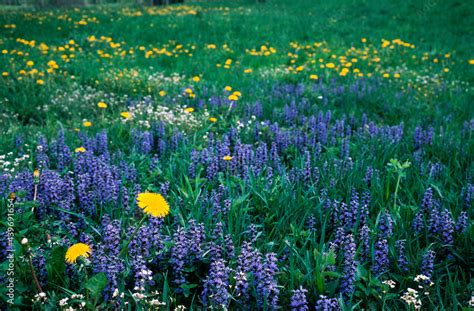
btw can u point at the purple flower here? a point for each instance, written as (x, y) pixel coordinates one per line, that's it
(307, 168)
(311, 223)
(179, 253)
(418, 222)
(434, 221)
(381, 261)
(462, 223)
(327, 304)
(212, 167)
(385, 225)
(427, 202)
(349, 267)
(369, 173)
(402, 258)
(106, 257)
(247, 262)
(468, 195)
(364, 240)
(427, 264)
(194, 163)
(196, 234)
(447, 227)
(216, 286)
(266, 284)
(298, 300)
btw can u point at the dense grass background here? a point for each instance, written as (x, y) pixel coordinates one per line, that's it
(434, 90)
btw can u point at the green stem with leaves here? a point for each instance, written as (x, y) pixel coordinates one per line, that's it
(125, 247)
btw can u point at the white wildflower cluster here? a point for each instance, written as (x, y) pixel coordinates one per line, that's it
(242, 125)
(79, 100)
(143, 78)
(72, 303)
(420, 278)
(389, 283)
(423, 281)
(117, 294)
(148, 299)
(9, 164)
(40, 298)
(160, 79)
(144, 275)
(146, 112)
(273, 73)
(411, 297)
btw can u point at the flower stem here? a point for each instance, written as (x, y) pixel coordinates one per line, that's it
(33, 274)
(122, 252)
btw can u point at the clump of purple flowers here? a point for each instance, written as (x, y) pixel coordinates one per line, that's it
(298, 300)
(350, 266)
(427, 264)
(381, 262)
(327, 304)
(216, 286)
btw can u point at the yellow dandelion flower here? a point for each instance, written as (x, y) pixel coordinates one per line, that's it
(386, 75)
(471, 62)
(233, 97)
(213, 120)
(162, 93)
(228, 88)
(344, 72)
(330, 65)
(126, 115)
(196, 79)
(396, 75)
(237, 93)
(313, 77)
(4, 74)
(52, 64)
(248, 70)
(30, 63)
(153, 204)
(188, 91)
(227, 158)
(102, 105)
(299, 68)
(189, 109)
(77, 250)
(40, 82)
(80, 149)
(87, 123)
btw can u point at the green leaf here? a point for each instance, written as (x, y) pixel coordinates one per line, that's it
(56, 265)
(96, 284)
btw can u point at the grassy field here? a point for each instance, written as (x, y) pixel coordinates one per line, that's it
(236, 155)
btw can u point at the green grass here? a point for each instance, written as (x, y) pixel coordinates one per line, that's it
(409, 67)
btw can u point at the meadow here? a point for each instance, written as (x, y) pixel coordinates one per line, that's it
(233, 155)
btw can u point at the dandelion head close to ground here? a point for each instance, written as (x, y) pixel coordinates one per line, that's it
(77, 250)
(153, 204)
